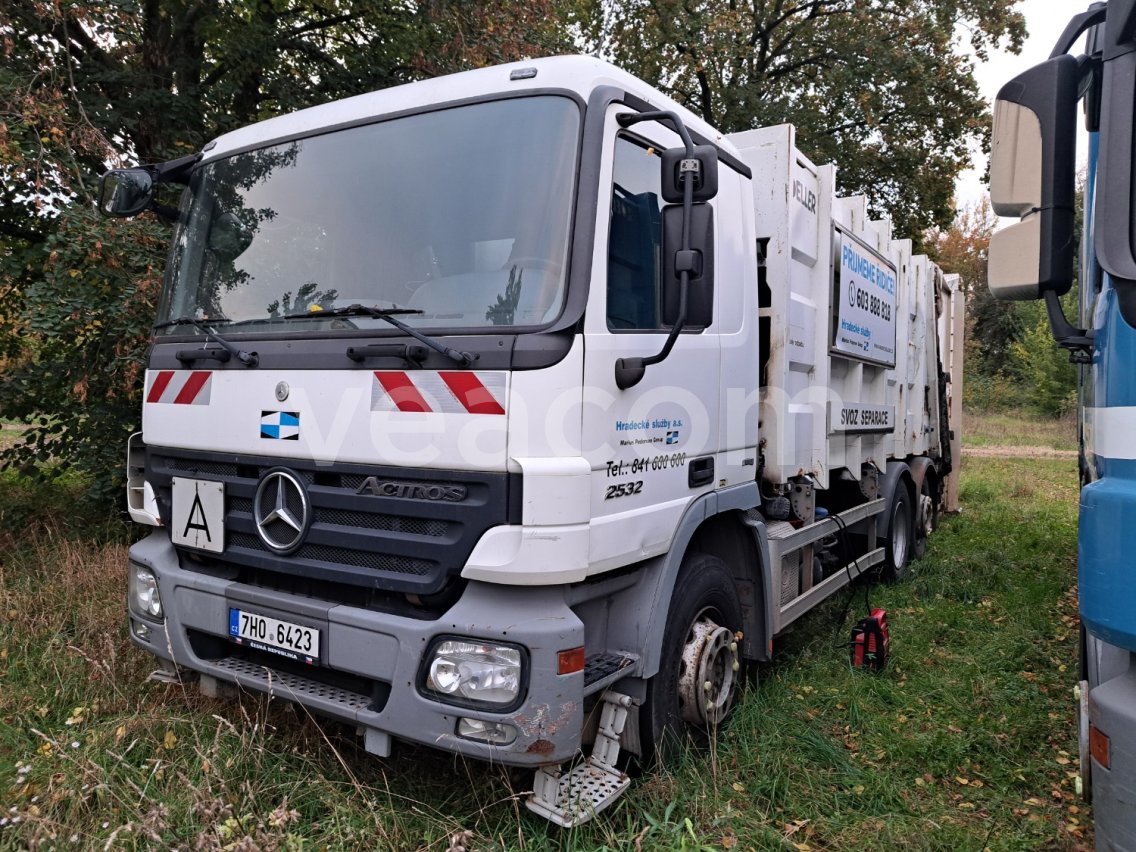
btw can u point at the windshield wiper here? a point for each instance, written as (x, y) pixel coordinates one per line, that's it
(249, 359)
(387, 315)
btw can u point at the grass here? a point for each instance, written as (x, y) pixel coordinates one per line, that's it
(965, 742)
(1000, 429)
(10, 434)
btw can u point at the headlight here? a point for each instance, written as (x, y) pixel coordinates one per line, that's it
(144, 596)
(475, 671)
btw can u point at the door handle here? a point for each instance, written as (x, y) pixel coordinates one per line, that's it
(700, 472)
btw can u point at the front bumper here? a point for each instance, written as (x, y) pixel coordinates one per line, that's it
(384, 651)
(1112, 709)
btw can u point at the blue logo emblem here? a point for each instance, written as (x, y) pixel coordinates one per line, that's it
(672, 437)
(280, 425)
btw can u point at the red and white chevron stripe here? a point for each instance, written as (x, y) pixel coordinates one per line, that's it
(179, 387)
(440, 393)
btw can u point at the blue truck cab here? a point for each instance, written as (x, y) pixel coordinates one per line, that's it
(1033, 166)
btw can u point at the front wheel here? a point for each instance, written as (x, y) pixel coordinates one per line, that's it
(699, 670)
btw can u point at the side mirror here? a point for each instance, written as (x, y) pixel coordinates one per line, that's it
(1032, 176)
(699, 261)
(706, 181)
(125, 192)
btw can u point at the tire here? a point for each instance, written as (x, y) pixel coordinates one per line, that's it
(926, 517)
(703, 622)
(898, 545)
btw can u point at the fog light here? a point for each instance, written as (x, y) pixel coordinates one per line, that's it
(144, 596)
(489, 732)
(141, 630)
(475, 671)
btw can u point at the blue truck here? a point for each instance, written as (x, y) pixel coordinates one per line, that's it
(1033, 178)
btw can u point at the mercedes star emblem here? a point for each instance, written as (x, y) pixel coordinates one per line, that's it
(282, 391)
(281, 510)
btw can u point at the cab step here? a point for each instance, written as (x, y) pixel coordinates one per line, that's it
(573, 798)
(604, 669)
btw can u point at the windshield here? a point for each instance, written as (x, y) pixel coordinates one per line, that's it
(461, 214)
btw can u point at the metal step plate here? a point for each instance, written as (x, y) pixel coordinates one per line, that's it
(581, 794)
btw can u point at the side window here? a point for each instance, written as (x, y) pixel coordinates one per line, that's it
(634, 259)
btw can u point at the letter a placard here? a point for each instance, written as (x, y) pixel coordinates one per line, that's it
(198, 514)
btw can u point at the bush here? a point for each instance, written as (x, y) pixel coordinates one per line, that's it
(76, 380)
(988, 393)
(1048, 379)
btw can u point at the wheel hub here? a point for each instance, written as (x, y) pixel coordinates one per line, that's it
(926, 521)
(708, 677)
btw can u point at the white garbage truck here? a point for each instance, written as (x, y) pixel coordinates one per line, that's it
(513, 412)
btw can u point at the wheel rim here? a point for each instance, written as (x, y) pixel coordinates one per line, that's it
(926, 516)
(708, 675)
(900, 528)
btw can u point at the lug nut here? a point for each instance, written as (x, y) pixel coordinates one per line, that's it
(706, 687)
(733, 647)
(736, 665)
(709, 706)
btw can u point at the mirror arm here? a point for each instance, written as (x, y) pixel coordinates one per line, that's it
(630, 371)
(1078, 341)
(1075, 28)
(175, 171)
(626, 119)
(165, 212)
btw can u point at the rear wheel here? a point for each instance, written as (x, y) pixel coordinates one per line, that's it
(699, 670)
(926, 516)
(897, 547)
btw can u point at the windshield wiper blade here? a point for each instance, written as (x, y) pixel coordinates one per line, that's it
(355, 310)
(249, 359)
(388, 315)
(188, 320)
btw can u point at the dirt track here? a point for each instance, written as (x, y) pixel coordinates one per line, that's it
(1019, 452)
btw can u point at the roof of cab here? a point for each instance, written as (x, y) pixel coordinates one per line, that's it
(579, 74)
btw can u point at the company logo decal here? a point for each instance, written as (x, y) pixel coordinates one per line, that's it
(179, 387)
(439, 393)
(281, 511)
(280, 425)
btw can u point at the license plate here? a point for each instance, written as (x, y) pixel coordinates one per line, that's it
(294, 641)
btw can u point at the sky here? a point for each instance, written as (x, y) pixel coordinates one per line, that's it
(1045, 19)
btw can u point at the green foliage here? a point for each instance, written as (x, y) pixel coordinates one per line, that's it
(1012, 360)
(83, 85)
(77, 383)
(881, 88)
(1047, 376)
(991, 392)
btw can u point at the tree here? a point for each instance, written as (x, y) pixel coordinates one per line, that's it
(1012, 359)
(86, 85)
(877, 86)
(992, 325)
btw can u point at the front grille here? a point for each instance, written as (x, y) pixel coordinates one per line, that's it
(363, 520)
(200, 468)
(398, 540)
(341, 556)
